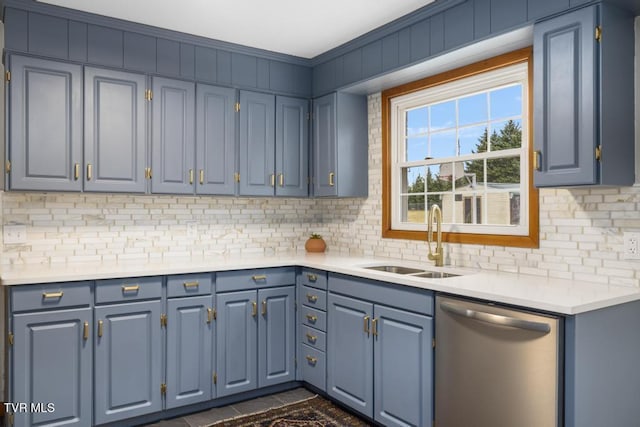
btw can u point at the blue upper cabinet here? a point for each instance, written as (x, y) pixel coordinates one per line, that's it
(583, 104)
(257, 144)
(215, 140)
(292, 147)
(173, 137)
(115, 131)
(340, 144)
(45, 125)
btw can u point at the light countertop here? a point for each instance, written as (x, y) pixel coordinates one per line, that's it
(540, 293)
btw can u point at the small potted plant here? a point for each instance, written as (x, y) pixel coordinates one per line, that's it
(315, 243)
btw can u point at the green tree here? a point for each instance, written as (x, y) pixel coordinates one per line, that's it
(504, 170)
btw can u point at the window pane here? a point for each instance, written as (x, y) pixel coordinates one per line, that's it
(413, 180)
(506, 135)
(443, 144)
(416, 149)
(413, 209)
(473, 139)
(504, 173)
(435, 182)
(443, 115)
(506, 102)
(472, 109)
(417, 121)
(500, 207)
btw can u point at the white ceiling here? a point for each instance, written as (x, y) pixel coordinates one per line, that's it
(295, 27)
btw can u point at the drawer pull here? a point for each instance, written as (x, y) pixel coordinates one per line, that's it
(100, 327)
(188, 285)
(264, 307)
(311, 318)
(259, 277)
(254, 309)
(132, 288)
(46, 295)
(366, 325)
(209, 315)
(312, 360)
(312, 277)
(312, 338)
(312, 298)
(85, 333)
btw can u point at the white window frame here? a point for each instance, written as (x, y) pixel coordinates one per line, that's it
(490, 80)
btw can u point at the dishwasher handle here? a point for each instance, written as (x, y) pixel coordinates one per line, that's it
(496, 319)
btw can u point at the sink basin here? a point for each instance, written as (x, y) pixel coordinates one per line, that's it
(435, 275)
(395, 269)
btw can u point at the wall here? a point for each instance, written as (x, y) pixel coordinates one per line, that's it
(580, 229)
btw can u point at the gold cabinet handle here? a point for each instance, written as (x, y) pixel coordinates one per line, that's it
(76, 171)
(311, 318)
(100, 328)
(201, 176)
(209, 315)
(312, 360)
(190, 176)
(281, 178)
(264, 307)
(259, 277)
(89, 171)
(366, 325)
(132, 288)
(85, 333)
(273, 180)
(311, 338)
(46, 295)
(188, 285)
(331, 176)
(312, 298)
(536, 160)
(312, 277)
(374, 327)
(599, 152)
(254, 309)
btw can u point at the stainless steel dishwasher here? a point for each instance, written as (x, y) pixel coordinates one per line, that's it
(496, 367)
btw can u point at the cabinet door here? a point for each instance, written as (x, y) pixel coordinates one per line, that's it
(128, 367)
(115, 131)
(324, 146)
(45, 125)
(189, 345)
(292, 147)
(276, 337)
(236, 351)
(257, 144)
(52, 364)
(173, 137)
(565, 96)
(403, 355)
(215, 140)
(350, 353)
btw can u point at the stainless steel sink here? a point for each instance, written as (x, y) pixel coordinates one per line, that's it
(435, 275)
(394, 269)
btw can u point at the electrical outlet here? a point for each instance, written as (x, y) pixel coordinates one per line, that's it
(14, 234)
(631, 245)
(192, 229)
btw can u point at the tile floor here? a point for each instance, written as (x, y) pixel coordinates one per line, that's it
(205, 418)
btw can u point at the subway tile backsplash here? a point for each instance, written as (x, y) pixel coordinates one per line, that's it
(581, 230)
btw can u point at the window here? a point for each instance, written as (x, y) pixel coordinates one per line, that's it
(461, 140)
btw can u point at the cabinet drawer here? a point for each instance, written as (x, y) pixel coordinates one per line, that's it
(313, 338)
(186, 285)
(312, 297)
(254, 279)
(314, 367)
(313, 278)
(50, 295)
(128, 289)
(314, 318)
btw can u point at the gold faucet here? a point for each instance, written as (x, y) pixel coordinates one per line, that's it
(435, 214)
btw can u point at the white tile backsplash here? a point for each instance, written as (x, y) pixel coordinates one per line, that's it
(580, 229)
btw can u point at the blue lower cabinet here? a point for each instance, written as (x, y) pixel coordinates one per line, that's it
(276, 336)
(236, 342)
(128, 368)
(189, 350)
(52, 364)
